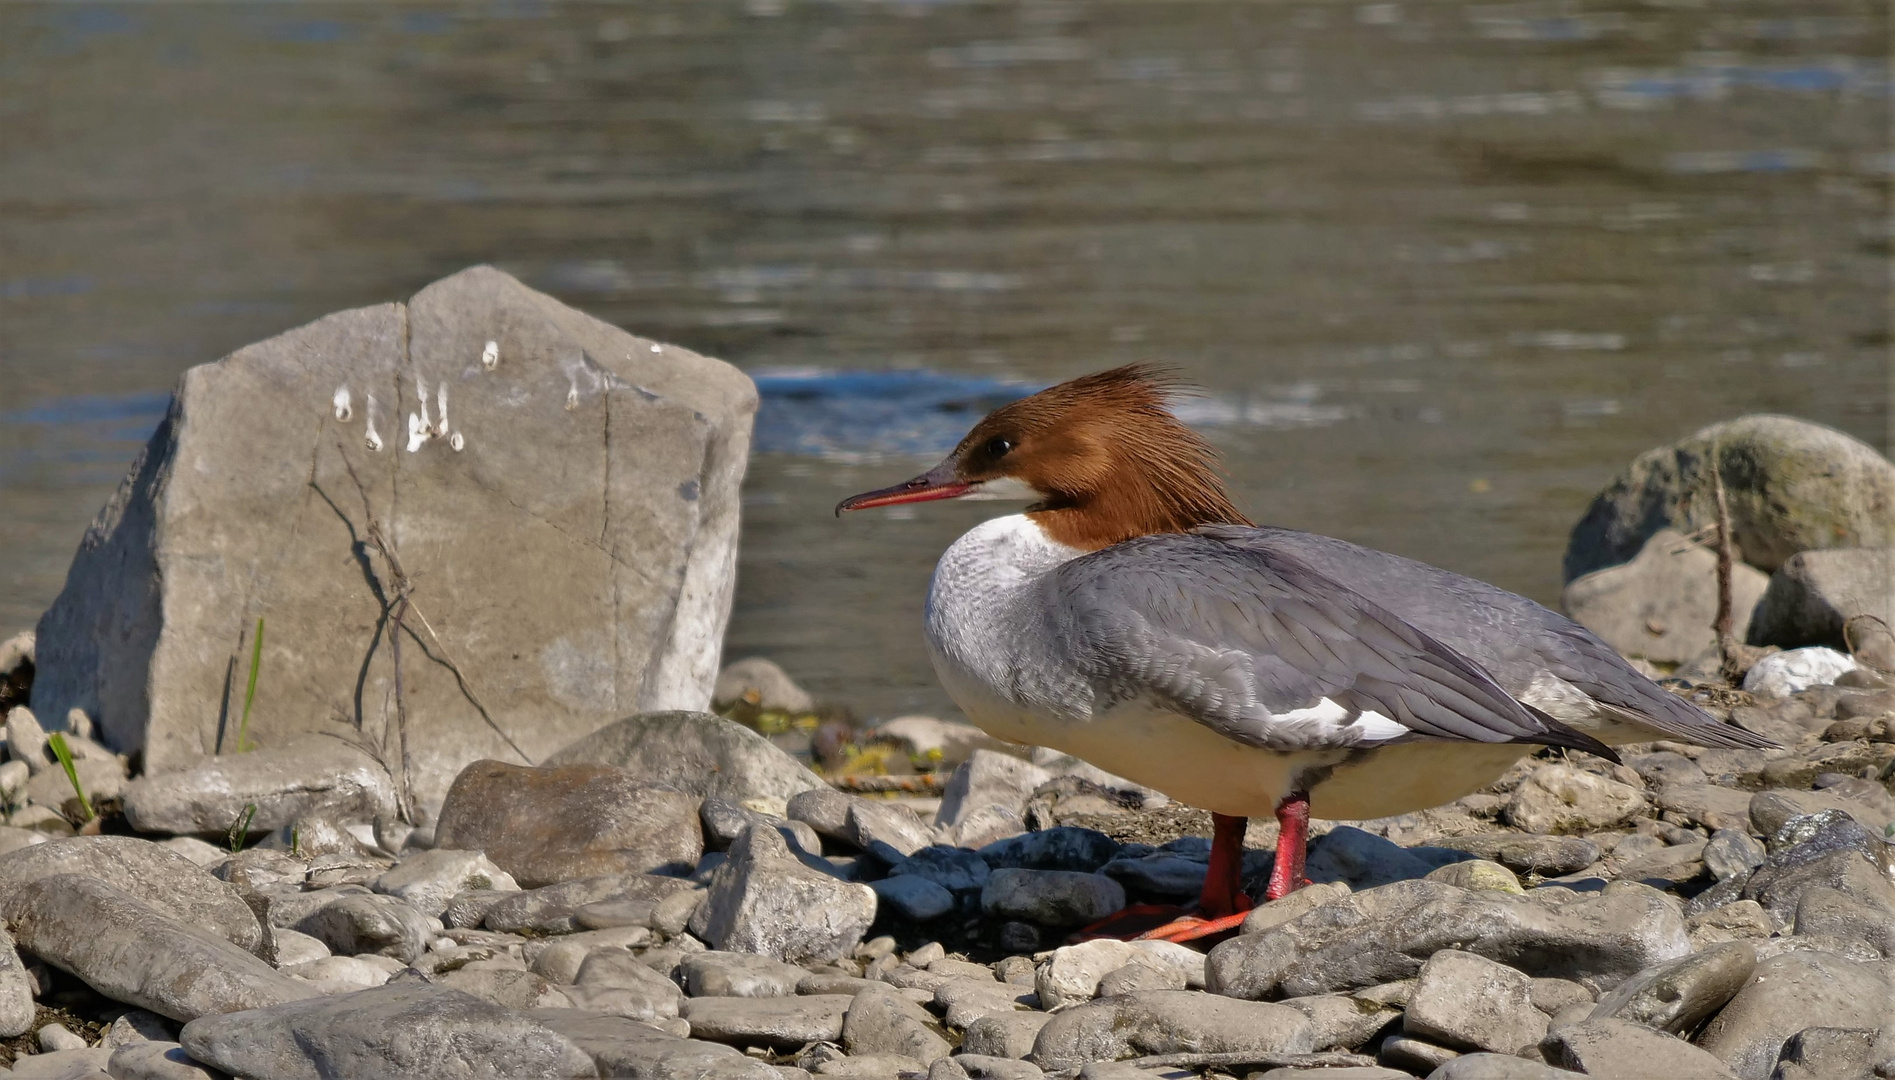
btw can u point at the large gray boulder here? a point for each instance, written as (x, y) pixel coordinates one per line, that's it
(1791, 486)
(1817, 592)
(567, 523)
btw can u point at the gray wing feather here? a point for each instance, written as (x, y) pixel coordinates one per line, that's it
(1235, 638)
(1508, 635)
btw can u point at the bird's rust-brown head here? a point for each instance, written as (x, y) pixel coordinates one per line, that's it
(1101, 456)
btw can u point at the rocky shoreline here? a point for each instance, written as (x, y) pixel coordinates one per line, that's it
(1707, 912)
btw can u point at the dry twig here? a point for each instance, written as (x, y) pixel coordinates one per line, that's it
(1734, 657)
(918, 784)
(398, 601)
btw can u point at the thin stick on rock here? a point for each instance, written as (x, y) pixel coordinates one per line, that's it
(399, 601)
(918, 784)
(1734, 658)
(1726, 639)
(401, 708)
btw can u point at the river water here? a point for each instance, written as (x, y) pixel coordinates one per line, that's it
(1441, 268)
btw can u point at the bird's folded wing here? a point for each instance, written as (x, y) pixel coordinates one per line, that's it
(1512, 638)
(1268, 652)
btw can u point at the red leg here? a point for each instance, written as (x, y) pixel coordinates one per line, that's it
(1224, 883)
(1291, 847)
(1222, 905)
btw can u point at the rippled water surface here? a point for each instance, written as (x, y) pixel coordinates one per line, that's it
(1441, 268)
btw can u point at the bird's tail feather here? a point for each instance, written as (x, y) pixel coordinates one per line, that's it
(1558, 734)
(1705, 732)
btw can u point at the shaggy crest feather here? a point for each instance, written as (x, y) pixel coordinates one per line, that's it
(1110, 458)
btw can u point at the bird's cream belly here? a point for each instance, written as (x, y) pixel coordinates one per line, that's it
(1406, 777)
(1197, 766)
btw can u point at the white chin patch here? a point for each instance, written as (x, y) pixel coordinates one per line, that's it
(1004, 488)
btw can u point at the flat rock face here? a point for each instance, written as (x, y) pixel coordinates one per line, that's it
(132, 952)
(764, 900)
(1661, 605)
(1619, 1048)
(555, 908)
(381, 925)
(697, 752)
(1786, 994)
(781, 1023)
(410, 1030)
(1385, 934)
(621, 1047)
(1791, 486)
(1168, 1022)
(163, 879)
(1816, 592)
(988, 778)
(1562, 799)
(573, 557)
(427, 880)
(881, 1021)
(1468, 1002)
(728, 974)
(1678, 996)
(1547, 855)
(308, 775)
(544, 825)
(1051, 897)
(16, 991)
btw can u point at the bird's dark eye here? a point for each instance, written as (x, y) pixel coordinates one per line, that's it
(998, 447)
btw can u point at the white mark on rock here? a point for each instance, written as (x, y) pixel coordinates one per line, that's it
(440, 401)
(657, 348)
(417, 432)
(374, 440)
(572, 394)
(457, 442)
(490, 356)
(421, 391)
(343, 411)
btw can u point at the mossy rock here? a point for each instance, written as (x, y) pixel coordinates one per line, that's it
(1791, 486)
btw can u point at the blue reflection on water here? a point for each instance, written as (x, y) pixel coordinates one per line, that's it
(310, 32)
(37, 288)
(869, 414)
(91, 438)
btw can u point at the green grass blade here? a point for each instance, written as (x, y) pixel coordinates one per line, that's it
(57, 740)
(250, 692)
(240, 828)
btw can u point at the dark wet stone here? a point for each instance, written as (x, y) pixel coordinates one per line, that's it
(1063, 848)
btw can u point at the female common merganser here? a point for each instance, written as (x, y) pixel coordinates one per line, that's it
(1133, 617)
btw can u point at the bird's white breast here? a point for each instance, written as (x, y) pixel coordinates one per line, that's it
(986, 632)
